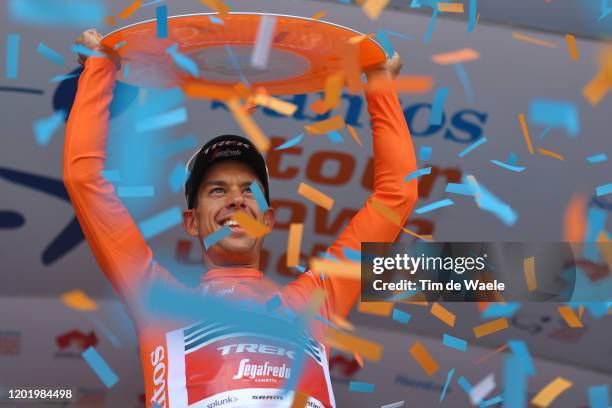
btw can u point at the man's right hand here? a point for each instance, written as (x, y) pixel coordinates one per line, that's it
(92, 39)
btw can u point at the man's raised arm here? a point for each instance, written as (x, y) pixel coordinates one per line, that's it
(113, 236)
(394, 159)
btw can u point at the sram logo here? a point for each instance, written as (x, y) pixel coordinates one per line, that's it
(159, 377)
(256, 348)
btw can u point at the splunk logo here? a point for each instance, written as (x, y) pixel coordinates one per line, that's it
(462, 126)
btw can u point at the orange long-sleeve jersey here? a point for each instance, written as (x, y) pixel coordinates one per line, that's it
(210, 364)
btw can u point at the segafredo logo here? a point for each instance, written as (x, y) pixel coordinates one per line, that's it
(252, 371)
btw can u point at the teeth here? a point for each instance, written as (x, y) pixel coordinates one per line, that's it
(231, 223)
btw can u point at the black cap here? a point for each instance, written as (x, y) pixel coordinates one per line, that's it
(221, 148)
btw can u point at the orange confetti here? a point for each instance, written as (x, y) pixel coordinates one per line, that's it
(324, 126)
(421, 237)
(353, 344)
(342, 269)
(340, 322)
(425, 360)
(413, 84)
(443, 314)
(129, 10)
(580, 311)
(454, 57)
(319, 15)
(252, 227)
(110, 20)
(299, 400)
(574, 219)
(595, 90)
(548, 394)
(450, 7)
(333, 89)
(242, 90)
(315, 196)
(548, 153)
(571, 47)
(376, 308)
(249, 126)
(278, 105)
(533, 40)
(314, 304)
(385, 212)
(78, 300)
(490, 327)
(530, 275)
(523, 122)
(350, 64)
(319, 107)
(359, 359)
(603, 243)
(570, 317)
(354, 134)
(489, 355)
(373, 8)
(216, 5)
(294, 244)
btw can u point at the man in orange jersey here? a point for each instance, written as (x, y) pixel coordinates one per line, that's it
(212, 363)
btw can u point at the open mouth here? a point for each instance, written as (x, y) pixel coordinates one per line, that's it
(233, 225)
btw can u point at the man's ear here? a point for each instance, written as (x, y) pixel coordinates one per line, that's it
(269, 217)
(190, 222)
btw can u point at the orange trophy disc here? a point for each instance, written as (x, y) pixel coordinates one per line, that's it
(303, 52)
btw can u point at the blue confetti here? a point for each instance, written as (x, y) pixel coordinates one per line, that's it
(351, 254)
(50, 54)
(100, 367)
(432, 24)
(456, 188)
(512, 158)
(177, 178)
(168, 119)
(120, 44)
(59, 13)
(437, 110)
(474, 145)
(161, 222)
(216, 20)
(497, 310)
(126, 70)
(161, 14)
(515, 383)
(301, 268)
(12, 56)
(399, 35)
(604, 189)
(520, 351)
(401, 316)
(234, 61)
(465, 384)
(60, 78)
(425, 153)
(597, 158)
(491, 401)
(358, 386)
(488, 202)
(465, 82)
(472, 16)
(605, 9)
(274, 303)
(516, 169)
(434, 206)
(259, 196)
(596, 222)
(545, 132)
(184, 62)
(555, 114)
(217, 236)
(178, 146)
(151, 3)
(383, 39)
(106, 332)
(83, 50)
(449, 377)
(598, 396)
(417, 173)
(135, 191)
(334, 137)
(45, 128)
(160, 101)
(291, 142)
(454, 342)
(111, 175)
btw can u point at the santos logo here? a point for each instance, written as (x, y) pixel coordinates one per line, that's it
(251, 371)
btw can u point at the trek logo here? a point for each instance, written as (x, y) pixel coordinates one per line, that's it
(159, 377)
(252, 371)
(256, 348)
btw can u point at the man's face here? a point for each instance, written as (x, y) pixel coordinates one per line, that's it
(225, 190)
